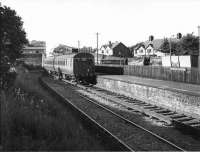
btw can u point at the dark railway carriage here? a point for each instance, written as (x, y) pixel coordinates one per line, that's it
(79, 66)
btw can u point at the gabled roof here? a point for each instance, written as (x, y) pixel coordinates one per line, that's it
(111, 46)
(137, 46)
(155, 43)
(103, 46)
(158, 42)
(114, 44)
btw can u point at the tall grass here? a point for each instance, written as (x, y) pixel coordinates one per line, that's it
(32, 120)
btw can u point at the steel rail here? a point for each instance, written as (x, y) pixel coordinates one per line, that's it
(122, 143)
(130, 122)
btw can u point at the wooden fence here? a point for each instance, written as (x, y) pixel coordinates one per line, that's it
(189, 75)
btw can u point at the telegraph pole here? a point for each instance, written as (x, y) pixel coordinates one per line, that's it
(97, 46)
(78, 45)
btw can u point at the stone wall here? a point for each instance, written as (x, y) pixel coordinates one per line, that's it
(176, 101)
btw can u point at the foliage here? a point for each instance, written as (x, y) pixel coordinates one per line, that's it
(189, 44)
(12, 33)
(13, 37)
(165, 47)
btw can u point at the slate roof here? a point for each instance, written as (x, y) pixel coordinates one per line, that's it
(156, 43)
(112, 45)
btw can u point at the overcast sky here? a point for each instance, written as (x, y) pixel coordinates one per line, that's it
(128, 21)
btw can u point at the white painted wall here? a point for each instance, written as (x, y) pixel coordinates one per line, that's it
(149, 50)
(185, 61)
(102, 50)
(139, 52)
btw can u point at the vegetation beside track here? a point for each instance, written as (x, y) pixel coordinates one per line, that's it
(31, 119)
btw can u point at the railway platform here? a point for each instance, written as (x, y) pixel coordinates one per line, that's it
(179, 97)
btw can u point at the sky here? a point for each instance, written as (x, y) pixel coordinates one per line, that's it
(127, 21)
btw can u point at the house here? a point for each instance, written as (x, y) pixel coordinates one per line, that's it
(117, 49)
(148, 48)
(105, 50)
(139, 50)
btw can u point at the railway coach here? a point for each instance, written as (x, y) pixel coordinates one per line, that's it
(76, 66)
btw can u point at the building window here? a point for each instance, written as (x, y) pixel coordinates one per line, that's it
(148, 50)
(135, 51)
(141, 51)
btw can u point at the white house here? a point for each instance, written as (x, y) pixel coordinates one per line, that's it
(139, 51)
(117, 49)
(149, 48)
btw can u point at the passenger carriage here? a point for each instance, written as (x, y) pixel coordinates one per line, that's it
(79, 66)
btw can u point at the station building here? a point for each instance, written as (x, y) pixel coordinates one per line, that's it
(33, 53)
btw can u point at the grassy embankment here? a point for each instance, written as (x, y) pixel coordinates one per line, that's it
(32, 120)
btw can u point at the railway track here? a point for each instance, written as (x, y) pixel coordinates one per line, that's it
(162, 114)
(114, 143)
(111, 97)
(126, 131)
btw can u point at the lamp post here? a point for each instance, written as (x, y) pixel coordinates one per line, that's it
(179, 36)
(170, 51)
(97, 46)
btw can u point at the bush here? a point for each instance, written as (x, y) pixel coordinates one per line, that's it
(31, 117)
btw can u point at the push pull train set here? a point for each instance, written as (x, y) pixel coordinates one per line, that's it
(76, 66)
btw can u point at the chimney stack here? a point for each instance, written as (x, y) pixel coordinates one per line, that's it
(109, 43)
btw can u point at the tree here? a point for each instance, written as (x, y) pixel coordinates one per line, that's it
(165, 47)
(13, 36)
(189, 44)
